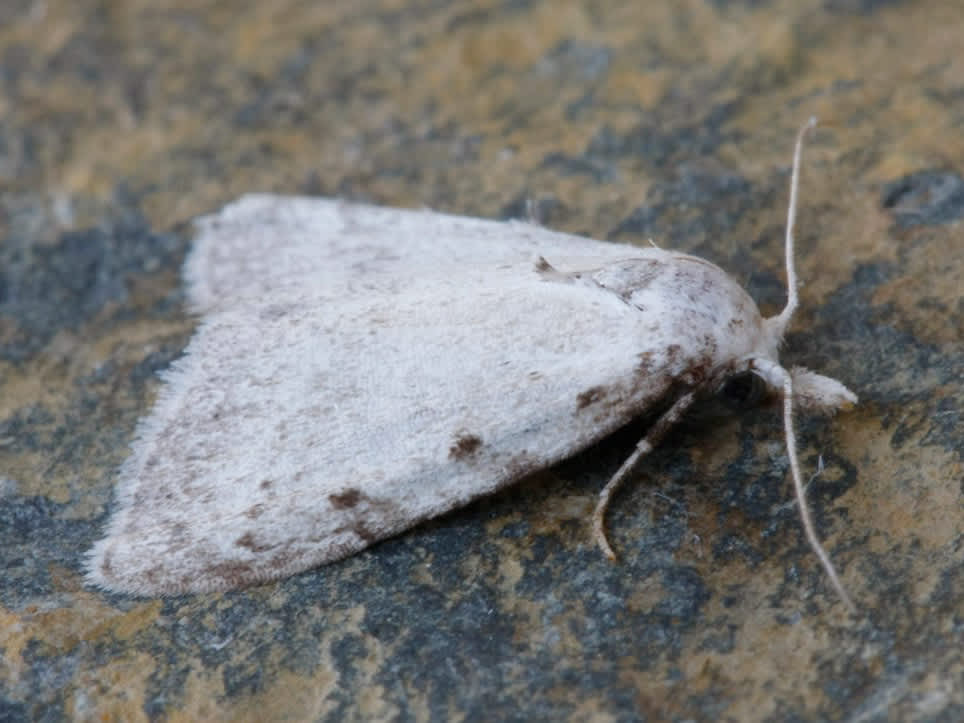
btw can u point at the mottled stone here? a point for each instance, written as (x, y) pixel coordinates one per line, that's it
(121, 121)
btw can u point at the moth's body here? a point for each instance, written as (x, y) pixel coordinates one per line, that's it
(380, 397)
(360, 369)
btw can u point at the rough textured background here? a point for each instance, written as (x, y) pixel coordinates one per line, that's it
(120, 121)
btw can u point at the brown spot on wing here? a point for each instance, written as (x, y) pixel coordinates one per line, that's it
(345, 500)
(464, 445)
(590, 396)
(247, 540)
(369, 518)
(645, 365)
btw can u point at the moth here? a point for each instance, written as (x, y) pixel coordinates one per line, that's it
(359, 369)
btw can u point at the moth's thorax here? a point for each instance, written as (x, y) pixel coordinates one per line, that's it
(696, 304)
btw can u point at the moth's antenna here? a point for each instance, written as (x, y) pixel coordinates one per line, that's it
(808, 528)
(783, 320)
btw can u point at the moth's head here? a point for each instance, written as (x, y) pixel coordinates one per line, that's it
(811, 392)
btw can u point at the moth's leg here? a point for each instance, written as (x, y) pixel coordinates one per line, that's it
(645, 446)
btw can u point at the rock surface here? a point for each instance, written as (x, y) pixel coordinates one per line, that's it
(120, 121)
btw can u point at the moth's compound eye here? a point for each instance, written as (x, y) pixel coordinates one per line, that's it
(743, 390)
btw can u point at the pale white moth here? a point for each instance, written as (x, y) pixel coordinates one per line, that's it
(360, 369)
